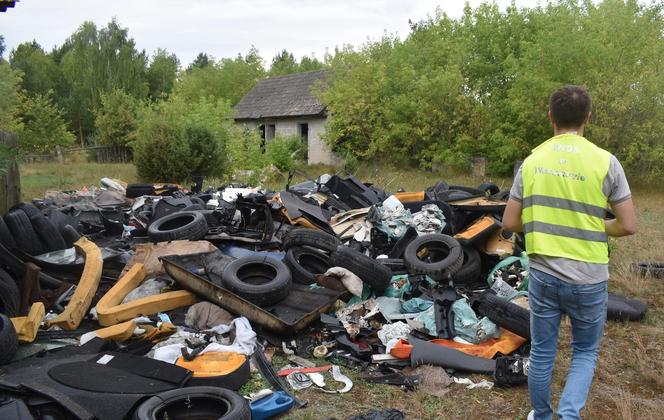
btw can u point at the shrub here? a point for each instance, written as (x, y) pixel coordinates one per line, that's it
(284, 152)
(176, 140)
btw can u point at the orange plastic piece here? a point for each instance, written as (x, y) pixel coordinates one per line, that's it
(78, 306)
(506, 344)
(27, 326)
(214, 363)
(111, 311)
(410, 197)
(478, 227)
(402, 349)
(119, 332)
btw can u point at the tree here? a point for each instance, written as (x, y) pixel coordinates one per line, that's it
(2, 46)
(116, 119)
(310, 63)
(43, 126)
(40, 72)
(202, 60)
(283, 63)
(229, 79)
(161, 73)
(10, 81)
(95, 61)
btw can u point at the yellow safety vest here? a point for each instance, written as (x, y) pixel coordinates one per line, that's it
(563, 204)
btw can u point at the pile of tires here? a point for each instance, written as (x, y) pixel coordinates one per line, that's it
(25, 228)
(308, 252)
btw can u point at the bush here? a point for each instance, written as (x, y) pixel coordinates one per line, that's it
(285, 152)
(176, 140)
(244, 150)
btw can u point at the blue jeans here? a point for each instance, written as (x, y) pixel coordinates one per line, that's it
(550, 297)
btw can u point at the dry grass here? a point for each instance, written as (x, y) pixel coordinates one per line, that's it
(36, 178)
(629, 381)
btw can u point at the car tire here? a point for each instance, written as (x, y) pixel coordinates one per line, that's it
(372, 272)
(304, 263)
(139, 190)
(25, 236)
(396, 265)
(28, 208)
(489, 188)
(195, 402)
(447, 258)
(10, 296)
(6, 237)
(8, 340)
(311, 238)
(621, 308)
(69, 235)
(50, 238)
(262, 281)
(181, 225)
(471, 267)
(648, 268)
(505, 314)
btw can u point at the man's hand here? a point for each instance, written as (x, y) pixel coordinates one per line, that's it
(625, 222)
(512, 216)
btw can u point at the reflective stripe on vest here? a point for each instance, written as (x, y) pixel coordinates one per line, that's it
(563, 203)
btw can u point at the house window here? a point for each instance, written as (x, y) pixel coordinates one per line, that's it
(270, 130)
(303, 128)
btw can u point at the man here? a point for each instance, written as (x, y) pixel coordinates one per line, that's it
(559, 199)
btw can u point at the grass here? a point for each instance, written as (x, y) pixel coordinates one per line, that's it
(629, 381)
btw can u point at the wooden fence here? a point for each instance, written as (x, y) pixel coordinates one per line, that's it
(10, 178)
(101, 154)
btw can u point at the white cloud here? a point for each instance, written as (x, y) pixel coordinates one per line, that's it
(226, 27)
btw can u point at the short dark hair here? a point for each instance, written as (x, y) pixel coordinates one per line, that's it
(570, 106)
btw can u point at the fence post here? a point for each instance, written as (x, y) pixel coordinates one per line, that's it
(58, 153)
(10, 179)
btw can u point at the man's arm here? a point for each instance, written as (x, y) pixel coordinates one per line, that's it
(625, 222)
(512, 216)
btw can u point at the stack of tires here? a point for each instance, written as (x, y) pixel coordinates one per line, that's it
(10, 301)
(28, 230)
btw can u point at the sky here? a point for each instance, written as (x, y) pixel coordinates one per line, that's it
(224, 28)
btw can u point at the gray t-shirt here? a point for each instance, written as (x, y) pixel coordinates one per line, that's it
(616, 189)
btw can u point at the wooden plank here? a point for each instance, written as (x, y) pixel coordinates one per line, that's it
(10, 178)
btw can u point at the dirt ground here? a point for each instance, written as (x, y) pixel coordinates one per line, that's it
(629, 382)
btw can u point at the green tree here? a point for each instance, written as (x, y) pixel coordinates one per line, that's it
(40, 72)
(283, 63)
(43, 126)
(201, 60)
(116, 119)
(95, 61)
(310, 63)
(229, 79)
(10, 81)
(161, 73)
(2, 46)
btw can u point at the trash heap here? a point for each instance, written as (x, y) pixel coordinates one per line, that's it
(158, 301)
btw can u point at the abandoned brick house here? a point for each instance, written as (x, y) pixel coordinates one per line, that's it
(285, 106)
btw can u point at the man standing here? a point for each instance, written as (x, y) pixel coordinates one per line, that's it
(559, 199)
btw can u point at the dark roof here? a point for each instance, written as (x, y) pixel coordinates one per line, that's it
(284, 96)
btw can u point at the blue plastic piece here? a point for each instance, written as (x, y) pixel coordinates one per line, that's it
(276, 403)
